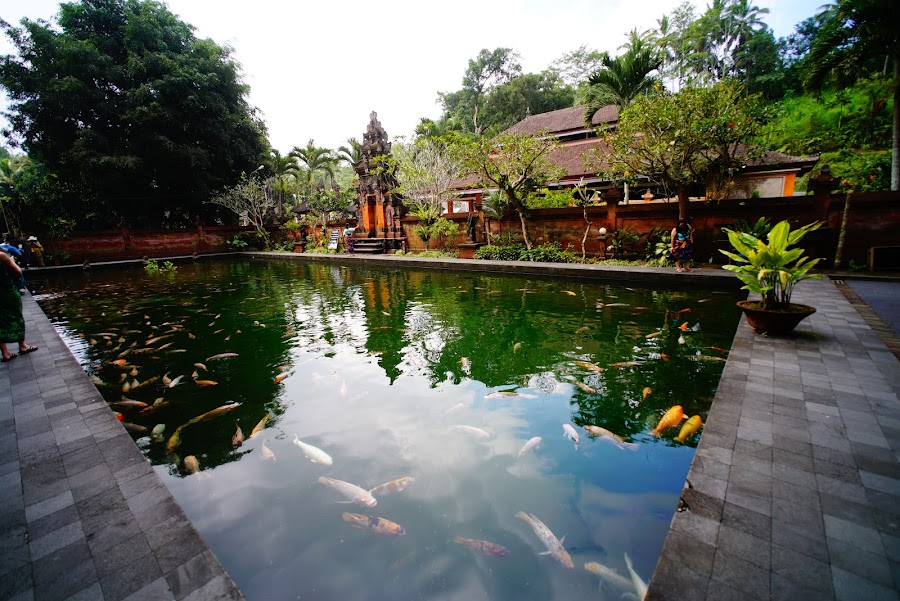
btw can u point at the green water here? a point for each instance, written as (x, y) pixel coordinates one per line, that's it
(380, 364)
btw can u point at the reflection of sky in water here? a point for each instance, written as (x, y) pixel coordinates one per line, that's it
(377, 379)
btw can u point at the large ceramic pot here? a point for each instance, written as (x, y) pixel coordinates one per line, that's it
(774, 322)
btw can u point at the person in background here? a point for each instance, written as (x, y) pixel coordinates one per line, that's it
(348, 238)
(682, 244)
(35, 251)
(12, 323)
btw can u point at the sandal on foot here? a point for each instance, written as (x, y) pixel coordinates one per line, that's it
(678, 269)
(30, 349)
(11, 357)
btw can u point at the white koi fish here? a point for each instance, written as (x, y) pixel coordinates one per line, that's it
(639, 585)
(610, 576)
(354, 493)
(314, 454)
(571, 433)
(476, 432)
(554, 546)
(533, 442)
(618, 441)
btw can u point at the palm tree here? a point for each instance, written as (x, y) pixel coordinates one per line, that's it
(351, 154)
(852, 35)
(9, 167)
(624, 78)
(315, 160)
(282, 167)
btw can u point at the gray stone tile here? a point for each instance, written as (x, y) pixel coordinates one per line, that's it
(745, 545)
(90, 593)
(861, 536)
(222, 588)
(882, 483)
(16, 583)
(811, 543)
(44, 508)
(130, 579)
(741, 575)
(703, 529)
(787, 589)
(120, 527)
(803, 569)
(859, 562)
(52, 522)
(850, 587)
(158, 590)
(747, 520)
(199, 570)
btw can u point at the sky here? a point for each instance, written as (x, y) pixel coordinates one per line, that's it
(317, 69)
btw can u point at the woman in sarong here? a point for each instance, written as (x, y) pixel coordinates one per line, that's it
(12, 323)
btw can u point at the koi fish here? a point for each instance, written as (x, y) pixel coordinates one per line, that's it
(626, 364)
(618, 441)
(135, 428)
(681, 339)
(157, 432)
(281, 377)
(584, 387)
(221, 356)
(200, 366)
(259, 426)
(355, 494)
(214, 413)
(484, 547)
(617, 304)
(237, 438)
(695, 327)
(373, 524)
(466, 365)
(206, 382)
(589, 366)
(133, 372)
(314, 454)
(165, 346)
(516, 347)
(609, 575)
(174, 440)
(128, 404)
(175, 381)
(683, 327)
(646, 392)
(455, 407)
(639, 585)
(687, 310)
(392, 486)
(166, 380)
(689, 427)
(501, 394)
(554, 546)
(673, 417)
(191, 464)
(583, 330)
(476, 432)
(267, 454)
(157, 339)
(528, 446)
(570, 293)
(710, 358)
(716, 348)
(649, 337)
(571, 433)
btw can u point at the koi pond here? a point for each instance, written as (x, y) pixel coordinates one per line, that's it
(338, 432)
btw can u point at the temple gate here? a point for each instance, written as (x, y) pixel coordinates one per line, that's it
(378, 210)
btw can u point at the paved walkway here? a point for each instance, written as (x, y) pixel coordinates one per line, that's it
(82, 513)
(796, 481)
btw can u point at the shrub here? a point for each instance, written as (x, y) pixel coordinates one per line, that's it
(547, 253)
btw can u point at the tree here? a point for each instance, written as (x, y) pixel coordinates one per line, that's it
(129, 110)
(696, 137)
(488, 70)
(350, 154)
(283, 170)
(515, 164)
(622, 79)
(718, 35)
(315, 159)
(529, 94)
(575, 67)
(856, 35)
(249, 199)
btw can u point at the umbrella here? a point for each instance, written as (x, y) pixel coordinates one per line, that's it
(11, 249)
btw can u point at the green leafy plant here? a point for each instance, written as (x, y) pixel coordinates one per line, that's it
(659, 247)
(237, 243)
(546, 253)
(771, 270)
(154, 268)
(436, 254)
(856, 266)
(760, 228)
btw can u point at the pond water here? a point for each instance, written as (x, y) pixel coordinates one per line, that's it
(378, 368)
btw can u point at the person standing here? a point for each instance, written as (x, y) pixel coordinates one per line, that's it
(36, 251)
(682, 244)
(12, 323)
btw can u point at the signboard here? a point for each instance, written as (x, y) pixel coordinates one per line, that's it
(334, 239)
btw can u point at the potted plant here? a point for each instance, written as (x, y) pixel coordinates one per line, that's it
(772, 270)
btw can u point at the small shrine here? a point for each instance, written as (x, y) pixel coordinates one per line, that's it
(378, 210)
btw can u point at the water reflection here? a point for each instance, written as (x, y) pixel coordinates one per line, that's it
(375, 367)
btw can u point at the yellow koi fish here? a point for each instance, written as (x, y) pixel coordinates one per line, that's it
(672, 418)
(689, 427)
(486, 548)
(267, 454)
(649, 337)
(191, 464)
(392, 486)
(584, 387)
(589, 366)
(373, 524)
(259, 427)
(646, 392)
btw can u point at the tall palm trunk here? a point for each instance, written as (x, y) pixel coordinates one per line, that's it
(895, 145)
(839, 251)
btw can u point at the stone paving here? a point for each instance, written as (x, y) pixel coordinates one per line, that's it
(82, 513)
(794, 492)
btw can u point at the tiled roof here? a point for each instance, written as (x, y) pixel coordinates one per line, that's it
(563, 120)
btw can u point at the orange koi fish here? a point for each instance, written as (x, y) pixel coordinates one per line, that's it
(672, 418)
(237, 438)
(259, 427)
(589, 366)
(626, 364)
(206, 383)
(646, 392)
(683, 327)
(281, 377)
(690, 426)
(484, 547)
(687, 310)
(392, 486)
(373, 524)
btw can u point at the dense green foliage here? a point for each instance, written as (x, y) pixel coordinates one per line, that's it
(134, 117)
(545, 253)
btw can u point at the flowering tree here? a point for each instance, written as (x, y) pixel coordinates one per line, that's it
(250, 199)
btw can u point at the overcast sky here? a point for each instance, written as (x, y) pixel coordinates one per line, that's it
(317, 69)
